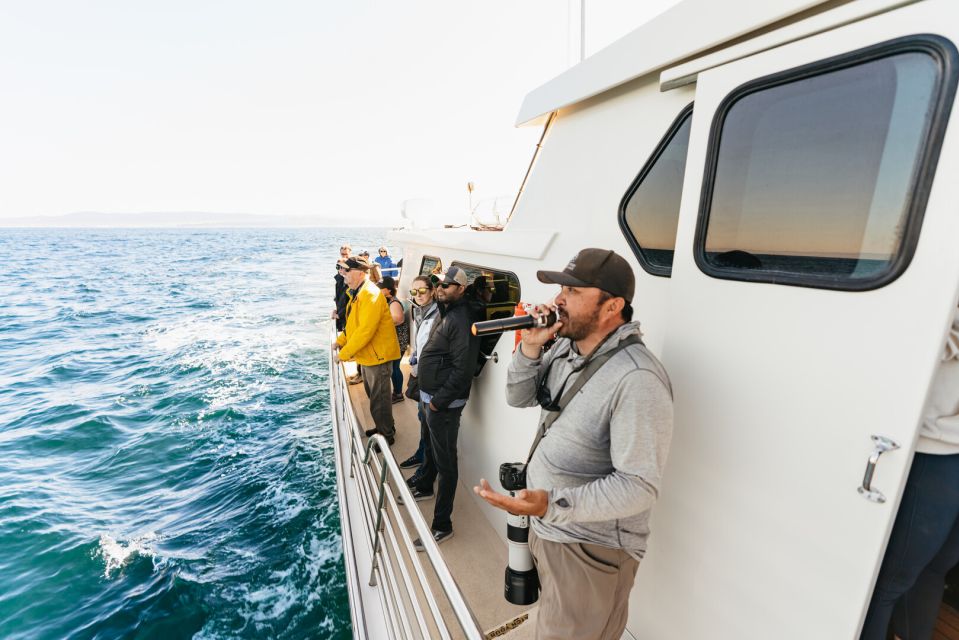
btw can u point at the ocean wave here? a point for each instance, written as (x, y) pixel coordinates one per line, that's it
(164, 456)
(116, 554)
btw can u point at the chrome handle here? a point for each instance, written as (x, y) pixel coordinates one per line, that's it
(493, 356)
(883, 445)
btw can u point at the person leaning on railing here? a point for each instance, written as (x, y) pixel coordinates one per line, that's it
(595, 474)
(339, 291)
(370, 339)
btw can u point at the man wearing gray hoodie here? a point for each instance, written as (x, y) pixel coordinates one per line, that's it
(595, 474)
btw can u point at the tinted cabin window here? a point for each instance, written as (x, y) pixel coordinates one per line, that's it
(493, 294)
(817, 181)
(497, 292)
(650, 209)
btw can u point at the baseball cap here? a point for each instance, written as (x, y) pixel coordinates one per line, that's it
(601, 268)
(357, 263)
(451, 276)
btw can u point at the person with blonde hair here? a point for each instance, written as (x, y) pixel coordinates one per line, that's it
(388, 268)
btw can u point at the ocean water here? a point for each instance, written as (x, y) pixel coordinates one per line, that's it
(165, 438)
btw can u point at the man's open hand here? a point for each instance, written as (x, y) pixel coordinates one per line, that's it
(528, 502)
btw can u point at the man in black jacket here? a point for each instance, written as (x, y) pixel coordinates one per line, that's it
(445, 367)
(339, 293)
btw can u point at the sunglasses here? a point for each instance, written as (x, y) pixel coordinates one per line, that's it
(384, 251)
(419, 291)
(447, 285)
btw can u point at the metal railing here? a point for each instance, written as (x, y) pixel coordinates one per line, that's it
(408, 601)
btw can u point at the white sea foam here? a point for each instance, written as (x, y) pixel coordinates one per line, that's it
(115, 554)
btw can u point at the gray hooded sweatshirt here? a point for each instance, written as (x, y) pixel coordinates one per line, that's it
(602, 460)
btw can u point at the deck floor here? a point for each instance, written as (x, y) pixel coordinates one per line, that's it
(476, 554)
(947, 626)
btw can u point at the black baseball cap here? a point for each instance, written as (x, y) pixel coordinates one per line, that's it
(601, 268)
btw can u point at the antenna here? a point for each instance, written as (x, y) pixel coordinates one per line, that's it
(582, 30)
(573, 34)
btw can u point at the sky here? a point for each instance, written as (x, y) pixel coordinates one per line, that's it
(288, 108)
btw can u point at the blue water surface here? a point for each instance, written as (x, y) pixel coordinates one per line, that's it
(165, 447)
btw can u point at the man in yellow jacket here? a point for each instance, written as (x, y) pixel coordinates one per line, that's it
(370, 339)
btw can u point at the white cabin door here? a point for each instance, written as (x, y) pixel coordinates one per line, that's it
(815, 275)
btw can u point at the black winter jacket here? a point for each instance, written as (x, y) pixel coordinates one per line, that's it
(341, 299)
(446, 364)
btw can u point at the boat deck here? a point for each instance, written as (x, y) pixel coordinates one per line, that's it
(476, 554)
(947, 626)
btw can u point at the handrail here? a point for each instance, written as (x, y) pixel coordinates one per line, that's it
(357, 616)
(371, 467)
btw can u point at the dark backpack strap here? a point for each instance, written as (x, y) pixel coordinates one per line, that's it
(583, 378)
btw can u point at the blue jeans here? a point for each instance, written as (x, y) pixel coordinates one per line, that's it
(923, 547)
(397, 376)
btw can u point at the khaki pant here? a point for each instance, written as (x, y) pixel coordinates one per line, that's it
(585, 590)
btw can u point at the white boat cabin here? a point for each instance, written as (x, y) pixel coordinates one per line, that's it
(780, 175)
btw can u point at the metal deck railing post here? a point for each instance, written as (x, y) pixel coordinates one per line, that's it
(379, 506)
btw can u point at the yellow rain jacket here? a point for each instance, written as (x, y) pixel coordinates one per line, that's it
(369, 336)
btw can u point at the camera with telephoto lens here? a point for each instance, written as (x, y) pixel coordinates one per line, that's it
(522, 581)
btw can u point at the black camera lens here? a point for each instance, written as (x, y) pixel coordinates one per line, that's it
(512, 476)
(522, 580)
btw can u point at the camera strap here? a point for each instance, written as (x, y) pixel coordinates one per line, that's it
(591, 368)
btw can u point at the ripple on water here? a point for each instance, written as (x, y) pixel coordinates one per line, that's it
(165, 439)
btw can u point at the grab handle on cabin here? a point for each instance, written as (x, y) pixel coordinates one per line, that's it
(883, 445)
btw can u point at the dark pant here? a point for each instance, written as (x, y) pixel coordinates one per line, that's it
(376, 381)
(397, 377)
(440, 459)
(923, 547)
(420, 454)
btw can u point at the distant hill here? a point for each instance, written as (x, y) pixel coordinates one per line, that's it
(184, 219)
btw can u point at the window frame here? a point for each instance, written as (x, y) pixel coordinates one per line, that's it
(470, 265)
(423, 262)
(637, 249)
(488, 343)
(944, 53)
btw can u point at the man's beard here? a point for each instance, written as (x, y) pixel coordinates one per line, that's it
(579, 329)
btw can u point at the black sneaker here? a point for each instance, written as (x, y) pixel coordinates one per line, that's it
(410, 462)
(412, 481)
(397, 398)
(438, 536)
(419, 495)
